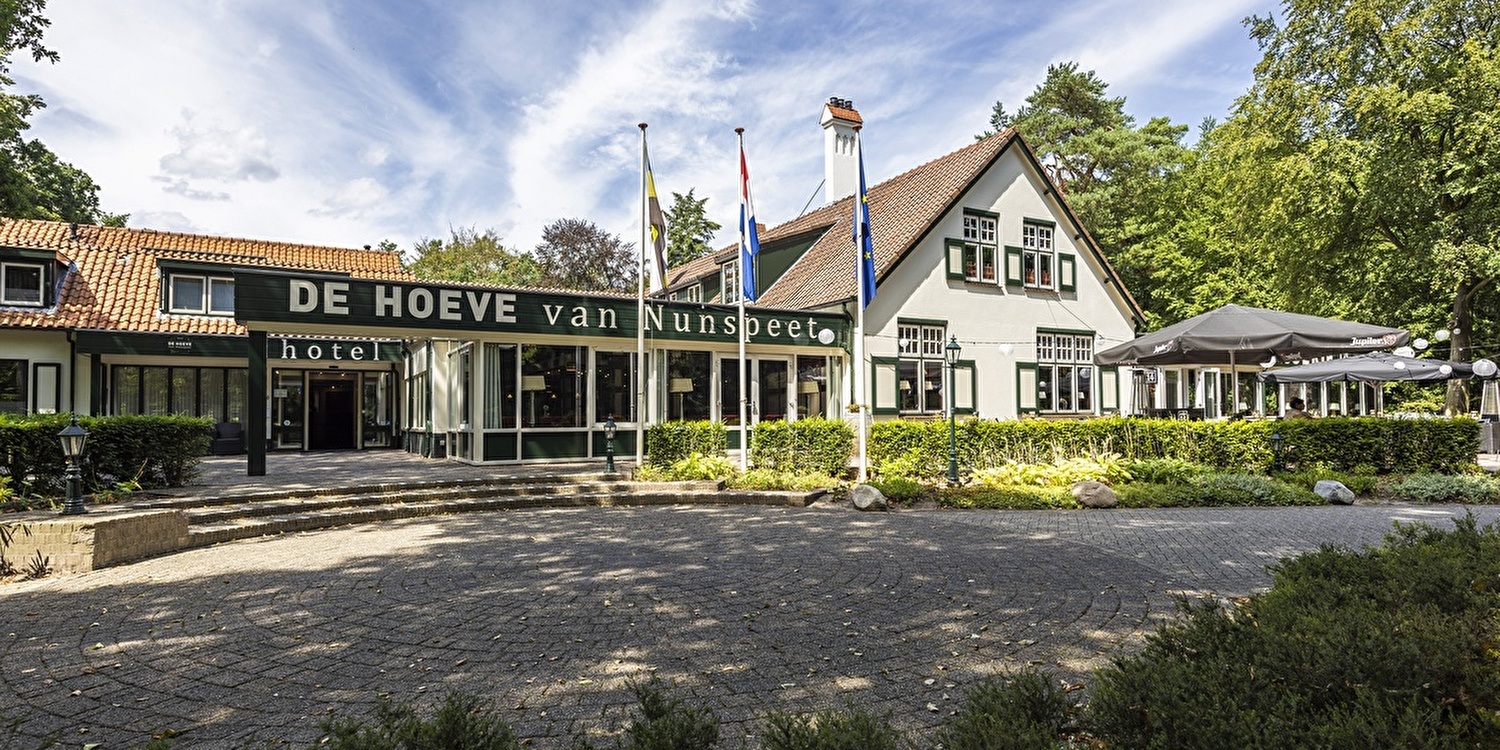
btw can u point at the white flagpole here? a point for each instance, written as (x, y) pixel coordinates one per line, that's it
(640, 315)
(744, 234)
(859, 324)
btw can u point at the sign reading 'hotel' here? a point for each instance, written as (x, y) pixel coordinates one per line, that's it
(277, 298)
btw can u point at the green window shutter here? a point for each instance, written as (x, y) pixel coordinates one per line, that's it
(965, 387)
(1013, 266)
(1067, 272)
(884, 396)
(1026, 391)
(1109, 389)
(953, 252)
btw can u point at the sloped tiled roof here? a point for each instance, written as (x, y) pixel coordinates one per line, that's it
(845, 113)
(117, 288)
(903, 210)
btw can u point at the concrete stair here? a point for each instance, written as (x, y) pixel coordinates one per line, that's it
(214, 519)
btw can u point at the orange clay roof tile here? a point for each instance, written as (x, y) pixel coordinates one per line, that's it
(117, 285)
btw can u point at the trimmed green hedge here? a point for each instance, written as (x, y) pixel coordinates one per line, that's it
(161, 451)
(670, 442)
(1386, 445)
(807, 446)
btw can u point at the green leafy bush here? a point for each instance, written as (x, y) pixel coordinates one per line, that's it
(1014, 497)
(670, 442)
(849, 729)
(1385, 647)
(1214, 489)
(694, 467)
(768, 479)
(458, 722)
(920, 449)
(1106, 468)
(664, 723)
(806, 446)
(1470, 489)
(161, 451)
(899, 489)
(1362, 480)
(1164, 470)
(1025, 711)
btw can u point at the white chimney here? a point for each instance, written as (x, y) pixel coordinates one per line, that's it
(840, 162)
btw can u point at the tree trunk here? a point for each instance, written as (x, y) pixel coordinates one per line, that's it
(1463, 327)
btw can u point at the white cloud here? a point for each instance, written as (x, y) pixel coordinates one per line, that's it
(219, 151)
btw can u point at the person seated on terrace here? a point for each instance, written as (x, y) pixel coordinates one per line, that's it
(1297, 409)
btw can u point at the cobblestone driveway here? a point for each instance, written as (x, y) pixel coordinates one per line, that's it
(549, 613)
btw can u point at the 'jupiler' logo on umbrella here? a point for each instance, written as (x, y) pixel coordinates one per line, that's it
(1165, 347)
(1388, 339)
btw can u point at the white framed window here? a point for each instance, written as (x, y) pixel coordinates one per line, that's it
(729, 282)
(21, 284)
(980, 248)
(1038, 256)
(919, 368)
(1065, 373)
(693, 293)
(203, 295)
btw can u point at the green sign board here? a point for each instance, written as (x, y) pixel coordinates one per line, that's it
(268, 299)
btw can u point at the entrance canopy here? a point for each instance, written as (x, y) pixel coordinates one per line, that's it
(1374, 367)
(1250, 334)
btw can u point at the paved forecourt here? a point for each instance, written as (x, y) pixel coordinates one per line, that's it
(549, 613)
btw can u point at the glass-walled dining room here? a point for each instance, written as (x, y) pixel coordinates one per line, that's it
(505, 402)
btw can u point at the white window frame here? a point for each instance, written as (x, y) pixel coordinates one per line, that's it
(41, 284)
(1073, 353)
(694, 293)
(981, 242)
(204, 304)
(921, 343)
(1038, 255)
(729, 283)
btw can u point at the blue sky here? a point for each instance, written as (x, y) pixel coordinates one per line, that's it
(345, 123)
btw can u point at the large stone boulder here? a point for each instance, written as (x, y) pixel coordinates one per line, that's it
(866, 497)
(1092, 494)
(1334, 492)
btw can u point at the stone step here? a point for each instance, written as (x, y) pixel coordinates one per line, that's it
(243, 527)
(322, 501)
(192, 497)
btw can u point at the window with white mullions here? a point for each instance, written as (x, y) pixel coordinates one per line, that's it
(729, 276)
(919, 368)
(1065, 373)
(1038, 256)
(203, 295)
(980, 248)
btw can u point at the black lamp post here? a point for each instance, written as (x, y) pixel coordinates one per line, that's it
(1278, 451)
(609, 444)
(72, 438)
(952, 351)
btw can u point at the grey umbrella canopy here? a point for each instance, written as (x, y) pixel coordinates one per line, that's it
(1250, 334)
(1374, 367)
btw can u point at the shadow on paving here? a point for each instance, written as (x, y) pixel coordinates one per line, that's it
(550, 613)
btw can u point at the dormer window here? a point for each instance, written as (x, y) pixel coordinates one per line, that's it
(200, 294)
(693, 293)
(729, 283)
(22, 284)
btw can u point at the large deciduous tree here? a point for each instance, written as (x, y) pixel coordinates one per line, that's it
(1114, 175)
(1368, 146)
(475, 257)
(689, 230)
(577, 254)
(34, 183)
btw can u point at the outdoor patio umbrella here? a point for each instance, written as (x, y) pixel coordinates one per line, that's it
(1250, 334)
(1374, 367)
(1233, 334)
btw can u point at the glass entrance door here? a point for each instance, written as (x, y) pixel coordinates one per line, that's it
(768, 390)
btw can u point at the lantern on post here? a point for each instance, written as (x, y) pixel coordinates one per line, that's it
(73, 439)
(952, 350)
(609, 444)
(1278, 451)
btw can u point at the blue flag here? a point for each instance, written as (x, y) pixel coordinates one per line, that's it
(864, 244)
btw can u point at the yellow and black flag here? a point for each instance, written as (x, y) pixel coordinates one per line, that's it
(658, 224)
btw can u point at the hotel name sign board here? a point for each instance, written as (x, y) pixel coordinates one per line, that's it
(272, 298)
